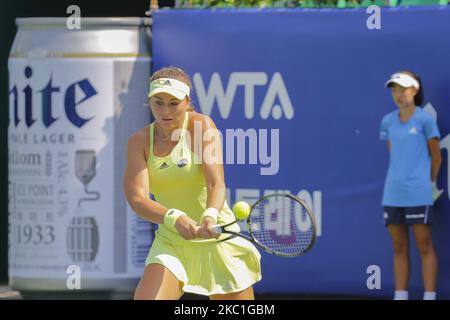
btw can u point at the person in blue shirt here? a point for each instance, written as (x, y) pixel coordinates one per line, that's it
(412, 136)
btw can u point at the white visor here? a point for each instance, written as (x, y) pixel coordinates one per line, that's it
(171, 86)
(404, 80)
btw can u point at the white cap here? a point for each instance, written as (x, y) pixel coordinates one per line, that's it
(404, 80)
(174, 87)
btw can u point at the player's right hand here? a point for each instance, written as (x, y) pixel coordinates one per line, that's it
(186, 227)
(206, 231)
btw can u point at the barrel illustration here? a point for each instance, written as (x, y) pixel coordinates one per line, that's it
(82, 239)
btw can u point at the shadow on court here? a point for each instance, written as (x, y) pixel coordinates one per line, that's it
(189, 296)
(7, 293)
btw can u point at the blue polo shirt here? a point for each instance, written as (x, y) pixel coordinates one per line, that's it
(408, 180)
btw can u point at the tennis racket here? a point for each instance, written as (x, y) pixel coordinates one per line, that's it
(280, 223)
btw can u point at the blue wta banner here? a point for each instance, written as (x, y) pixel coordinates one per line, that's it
(305, 88)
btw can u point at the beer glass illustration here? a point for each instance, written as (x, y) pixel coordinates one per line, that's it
(85, 172)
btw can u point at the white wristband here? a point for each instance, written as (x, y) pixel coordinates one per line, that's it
(210, 212)
(436, 193)
(171, 217)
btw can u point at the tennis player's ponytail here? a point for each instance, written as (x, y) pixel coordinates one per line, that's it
(419, 97)
(174, 73)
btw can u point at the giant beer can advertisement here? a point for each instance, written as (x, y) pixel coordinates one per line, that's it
(68, 216)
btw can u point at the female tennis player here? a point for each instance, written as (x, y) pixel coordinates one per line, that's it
(188, 186)
(415, 158)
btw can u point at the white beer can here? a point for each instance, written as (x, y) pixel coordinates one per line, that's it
(75, 96)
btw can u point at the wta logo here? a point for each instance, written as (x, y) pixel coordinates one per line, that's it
(276, 102)
(24, 99)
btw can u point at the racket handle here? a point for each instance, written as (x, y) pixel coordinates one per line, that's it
(217, 229)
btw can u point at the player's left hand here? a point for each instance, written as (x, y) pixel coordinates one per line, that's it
(435, 191)
(205, 230)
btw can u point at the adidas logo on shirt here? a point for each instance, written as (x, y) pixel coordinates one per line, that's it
(163, 166)
(413, 130)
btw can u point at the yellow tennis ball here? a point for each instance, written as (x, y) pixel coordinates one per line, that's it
(241, 210)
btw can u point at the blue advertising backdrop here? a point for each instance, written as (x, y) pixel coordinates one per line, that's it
(317, 76)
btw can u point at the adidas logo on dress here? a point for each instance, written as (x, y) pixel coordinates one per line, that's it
(163, 166)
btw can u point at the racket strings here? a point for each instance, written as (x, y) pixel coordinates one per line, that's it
(283, 225)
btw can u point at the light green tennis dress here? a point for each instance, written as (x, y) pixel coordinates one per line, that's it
(204, 266)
